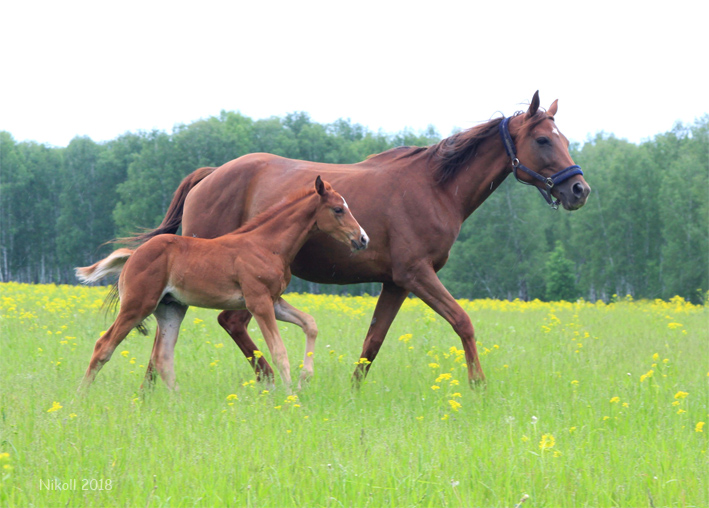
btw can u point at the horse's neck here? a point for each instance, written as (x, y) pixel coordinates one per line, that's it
(471, 186)
(286, 231)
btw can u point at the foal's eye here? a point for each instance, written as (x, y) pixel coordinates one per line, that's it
(338, 210)
(543, 141)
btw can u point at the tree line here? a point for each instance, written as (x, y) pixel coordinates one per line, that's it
(644, 231)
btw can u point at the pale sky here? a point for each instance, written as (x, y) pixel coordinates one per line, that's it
(102, 68)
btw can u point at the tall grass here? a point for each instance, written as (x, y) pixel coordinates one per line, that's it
(585, 405)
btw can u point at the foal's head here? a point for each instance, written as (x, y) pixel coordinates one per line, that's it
(335, 218)
(545, 150)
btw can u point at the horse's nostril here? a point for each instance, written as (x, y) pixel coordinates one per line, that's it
(577, 189)
(363, 240)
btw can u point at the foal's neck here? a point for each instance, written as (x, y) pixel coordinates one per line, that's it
(285, 231)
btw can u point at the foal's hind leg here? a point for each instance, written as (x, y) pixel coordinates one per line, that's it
(235, 323)
(106, 345)
(169, 317)
(286, 312)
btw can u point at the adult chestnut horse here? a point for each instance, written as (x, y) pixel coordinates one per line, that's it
(412, 201)
(246, 269)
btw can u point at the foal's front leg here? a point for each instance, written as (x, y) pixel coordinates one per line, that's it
(262, 309)
(286, 312)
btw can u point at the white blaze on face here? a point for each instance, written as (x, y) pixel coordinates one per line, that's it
(364, 236)
(344, 203)
(555, 131)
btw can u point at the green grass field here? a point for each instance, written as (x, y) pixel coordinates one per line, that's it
(585, 405)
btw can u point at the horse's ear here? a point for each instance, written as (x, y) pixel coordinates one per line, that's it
(552, 109)
(534, 106)
(319, 186)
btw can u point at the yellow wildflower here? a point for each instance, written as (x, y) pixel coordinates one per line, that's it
(547, 442)
(615, 400)
(681, 395)
(55, 407)
(125, 353)
(699, 427)
(232, 396)
(435, 387)
(433, 365)
(257, 353)
(406, 337)
(455, 405)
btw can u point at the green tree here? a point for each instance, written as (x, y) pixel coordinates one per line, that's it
(560, 276)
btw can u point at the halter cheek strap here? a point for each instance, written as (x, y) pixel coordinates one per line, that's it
(550, 182)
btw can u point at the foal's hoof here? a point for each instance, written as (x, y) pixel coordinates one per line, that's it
(478, 384)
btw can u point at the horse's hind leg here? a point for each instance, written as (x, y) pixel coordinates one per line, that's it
(235, 323)
(286, 312)
(388, 305)
(169, 317)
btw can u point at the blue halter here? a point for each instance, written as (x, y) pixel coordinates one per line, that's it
(550, 182)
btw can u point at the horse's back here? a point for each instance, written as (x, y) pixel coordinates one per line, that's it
(244, 187)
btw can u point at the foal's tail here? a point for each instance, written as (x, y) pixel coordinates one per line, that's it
(112, 265)
(173, 217)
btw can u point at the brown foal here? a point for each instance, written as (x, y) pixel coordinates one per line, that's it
(246, 269)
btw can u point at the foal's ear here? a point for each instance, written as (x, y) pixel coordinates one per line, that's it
(552, 109)
(534, 106)
(319, 186)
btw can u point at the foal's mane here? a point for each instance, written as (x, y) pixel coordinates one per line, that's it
(452, 154)
(267, 214)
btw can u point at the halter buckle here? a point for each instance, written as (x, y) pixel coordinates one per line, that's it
(549, 182)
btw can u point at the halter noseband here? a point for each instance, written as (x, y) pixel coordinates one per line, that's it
(550, 182)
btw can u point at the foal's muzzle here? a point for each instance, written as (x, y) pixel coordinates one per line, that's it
(360, 242)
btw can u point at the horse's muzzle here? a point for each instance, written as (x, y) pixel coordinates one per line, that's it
(574, 194)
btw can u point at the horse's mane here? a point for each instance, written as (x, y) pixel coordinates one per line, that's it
(454, 153)
(267, 214)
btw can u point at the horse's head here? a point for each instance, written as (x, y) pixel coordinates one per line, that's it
(542, 156)
(335, 218)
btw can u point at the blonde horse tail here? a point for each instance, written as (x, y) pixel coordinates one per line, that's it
(112, 265)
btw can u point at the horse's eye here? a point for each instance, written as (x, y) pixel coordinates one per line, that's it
(543, 141)
(338, 210)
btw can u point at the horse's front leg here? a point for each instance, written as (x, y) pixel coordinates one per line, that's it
(262, 309)
(422, 281)
(388, 305)
(235, 323)
(286, 312)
